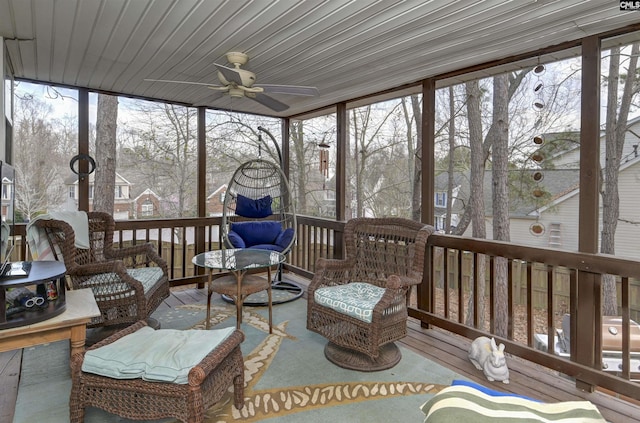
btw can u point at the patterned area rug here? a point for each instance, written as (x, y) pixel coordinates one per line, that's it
(286, 374)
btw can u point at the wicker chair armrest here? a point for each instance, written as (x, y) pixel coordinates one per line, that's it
(200, 372)
(137, 255)
(395, 281)
(326, 263)
(90, 269)
(330, 272)
(395, 296)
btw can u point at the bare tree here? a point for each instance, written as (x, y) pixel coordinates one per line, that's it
(39, 156)
(306, 179)
(451, 162)
(416, 189)
(163, 154)
(105, 177)
(474, 213)
(616, 127)
(500, 196)
(375, 158)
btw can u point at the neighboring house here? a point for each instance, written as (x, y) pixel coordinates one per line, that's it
(440, 199)
(122, 199)
(146, 205)
(6, 199)
(552, 220)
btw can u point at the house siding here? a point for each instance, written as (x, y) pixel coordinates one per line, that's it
(628, 230)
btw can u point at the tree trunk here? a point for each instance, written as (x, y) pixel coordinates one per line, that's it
(450, 167)
(616, 127)
(297, 136)
(500, 196)
(105, 176)
(475, 208)
(416, 198)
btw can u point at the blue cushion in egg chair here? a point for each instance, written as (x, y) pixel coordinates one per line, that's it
(262, 234)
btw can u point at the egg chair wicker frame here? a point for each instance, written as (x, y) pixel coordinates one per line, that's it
(257, 179)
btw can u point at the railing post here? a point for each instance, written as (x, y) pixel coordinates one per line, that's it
(588, 332)
(425, 289)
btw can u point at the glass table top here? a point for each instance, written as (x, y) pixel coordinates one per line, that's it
(238, 259)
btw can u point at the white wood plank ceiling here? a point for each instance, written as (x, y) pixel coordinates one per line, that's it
(345, 48)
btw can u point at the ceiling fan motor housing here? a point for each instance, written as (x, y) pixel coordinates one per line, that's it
(248, 78)
(236, 92)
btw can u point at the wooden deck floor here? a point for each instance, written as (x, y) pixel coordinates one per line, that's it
(442, 347)
(525, 378)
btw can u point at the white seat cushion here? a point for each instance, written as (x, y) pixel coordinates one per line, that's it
(163, 355)
(356, 299)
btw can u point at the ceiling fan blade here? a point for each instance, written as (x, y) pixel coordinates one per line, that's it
(207, 98)
(289, 89)
(270, 102)
(230, 74)
(183, 82)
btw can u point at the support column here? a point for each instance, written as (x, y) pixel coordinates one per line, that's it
(589, 285)
(342, 144)
(423, 291)
(83, 148)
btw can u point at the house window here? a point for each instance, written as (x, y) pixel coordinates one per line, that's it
(441, 199)
(222, 196)
(146, 209)
(72, 192)
(119, 193)
(90, 192)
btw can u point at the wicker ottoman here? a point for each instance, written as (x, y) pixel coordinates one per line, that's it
(138, 399)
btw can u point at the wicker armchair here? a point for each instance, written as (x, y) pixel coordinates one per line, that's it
(384, 258)
(128, 283)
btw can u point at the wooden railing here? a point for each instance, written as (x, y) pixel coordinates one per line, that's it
(448, 301)
(179, 240)
(526, 266)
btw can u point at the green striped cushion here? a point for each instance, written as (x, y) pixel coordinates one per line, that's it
(466, 404)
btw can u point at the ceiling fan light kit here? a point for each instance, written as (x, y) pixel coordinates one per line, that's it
(238, 83)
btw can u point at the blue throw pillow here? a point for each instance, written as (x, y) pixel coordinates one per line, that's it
(248, 207)
(284, 239)
(254, 233)
(235, 240)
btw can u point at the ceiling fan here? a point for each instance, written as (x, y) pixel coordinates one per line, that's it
(239, 83)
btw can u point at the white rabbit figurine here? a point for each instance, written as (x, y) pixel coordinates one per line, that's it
(488, 357)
